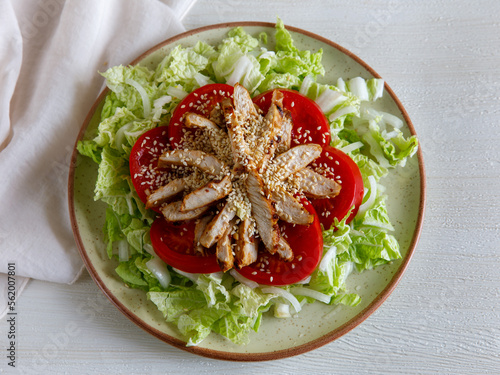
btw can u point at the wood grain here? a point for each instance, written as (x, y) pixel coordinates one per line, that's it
(442, 60)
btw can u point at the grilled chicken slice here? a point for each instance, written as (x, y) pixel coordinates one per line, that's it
(243, 102)
(271, 129)
(216, 228)
(294, 160)
(240, 150)
(172, 212)
(224, 251)
(194, 120)
(315, 185)
(217, 116)
(284, 250)
(289, 208)
(208, 194)
(166, 193)
(199, 228)
(286, 133)
(193, 158)
(246, 245)
(263, 212)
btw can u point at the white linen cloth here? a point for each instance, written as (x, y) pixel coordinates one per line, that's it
(50, 55)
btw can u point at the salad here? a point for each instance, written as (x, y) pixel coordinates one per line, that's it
(239, 186)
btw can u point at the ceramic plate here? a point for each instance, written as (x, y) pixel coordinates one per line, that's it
(317, 324)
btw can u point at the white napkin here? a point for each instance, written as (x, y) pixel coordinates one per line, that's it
(50, 55)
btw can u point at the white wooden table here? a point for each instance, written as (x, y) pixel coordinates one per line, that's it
(443, 61)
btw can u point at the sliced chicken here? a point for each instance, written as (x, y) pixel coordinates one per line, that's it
(246, 244)
(217, 116)
(284, 250)
(286, 133)
(294, 160)
(271, 129)
(243, 102)
(263, 212)
(216, 228)
(315, 185)
(208, 194)
(172, 212)
(199, 228)
(289, 208)
(193, 158)
(194, 120)
(224, 251)
(240, 150)
(166, 193)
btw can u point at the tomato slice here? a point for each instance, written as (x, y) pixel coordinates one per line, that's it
(146, 175)
(306, 242)
(174, 244)
(344, 170)
(309, 122)
(200, 101)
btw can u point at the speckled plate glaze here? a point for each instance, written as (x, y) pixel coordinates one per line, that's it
(316, 324)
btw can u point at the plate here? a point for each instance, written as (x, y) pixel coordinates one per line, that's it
(317, 324)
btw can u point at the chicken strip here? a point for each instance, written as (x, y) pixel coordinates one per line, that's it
(240, 150)
(243, 102)
(172, 212)
(271, 130)
(224, 251)
(285, 134)
(284, 250)
(263, 212)
(246, 244)
(208, 194)
(194, 120)
(193, 158)
(315, 185)
(294, 160)
(289, 208)
(215, 229)
(199, 228)
(166, 193)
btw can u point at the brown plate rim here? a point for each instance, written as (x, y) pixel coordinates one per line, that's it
(263, 356)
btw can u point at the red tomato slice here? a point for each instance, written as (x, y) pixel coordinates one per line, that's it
(146, 176)
(309, 122)
(307, 245)
(345, 171)
(200, 101)
(174, 244)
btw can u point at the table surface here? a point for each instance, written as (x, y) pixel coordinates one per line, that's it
(443, 61)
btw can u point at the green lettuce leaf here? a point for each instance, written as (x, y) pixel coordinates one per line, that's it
(279, 80)
(376, 216)
(183, 64)
(232, 48)
(114, 186)
(111, 103)
(395, 150)
(374, 247)
(251, 302)
(132, 275)
(91, 149)
(347, 299)
(332, 279)
(118, 80)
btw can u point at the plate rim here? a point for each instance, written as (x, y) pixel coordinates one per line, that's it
(261, 356)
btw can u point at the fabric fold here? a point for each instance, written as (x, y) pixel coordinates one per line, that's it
(52, 52)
